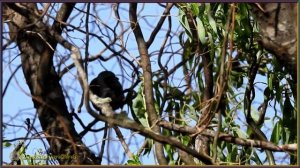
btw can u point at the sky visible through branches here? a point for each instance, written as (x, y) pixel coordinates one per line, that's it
(17, 103)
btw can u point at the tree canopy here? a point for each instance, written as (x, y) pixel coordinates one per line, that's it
(205, 83)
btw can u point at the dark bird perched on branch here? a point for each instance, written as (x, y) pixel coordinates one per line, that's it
(106, 84)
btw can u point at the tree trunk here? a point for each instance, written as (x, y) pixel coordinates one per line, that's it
(30, 34)
(278, 27)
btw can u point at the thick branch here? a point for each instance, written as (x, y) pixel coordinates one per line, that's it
(147, 73)
(43, 81)
(278, 29)
(228, 138)
(119, 120)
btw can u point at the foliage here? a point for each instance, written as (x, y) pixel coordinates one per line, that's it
(211, 27)
(205, 39)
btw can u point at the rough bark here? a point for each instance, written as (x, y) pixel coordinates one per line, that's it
(278, 27)
(30, 33)
(148, 87)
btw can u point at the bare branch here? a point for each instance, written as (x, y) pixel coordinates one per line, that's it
(147, 73)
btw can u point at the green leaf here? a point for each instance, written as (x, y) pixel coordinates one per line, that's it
(270, 81)
(134, 161)
(276, 133)
(211, 20)
(148, 147)
(256, 158)
(158, 95)
(286, 134)
(232, 154)
(185, 140)
(170, 152)
(139, 108)
(6, 144)
(255, 114)
(187, 50)
(192, 112)
(166, 132)
(181, 38)
(239, 132)
(201, 30)
(211, 45)
(287, 112)
(195, 9)
(22, 150)
(184, 22)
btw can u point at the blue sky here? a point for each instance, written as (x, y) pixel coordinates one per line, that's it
(17, 104)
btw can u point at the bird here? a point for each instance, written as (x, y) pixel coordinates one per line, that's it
(106, 84)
